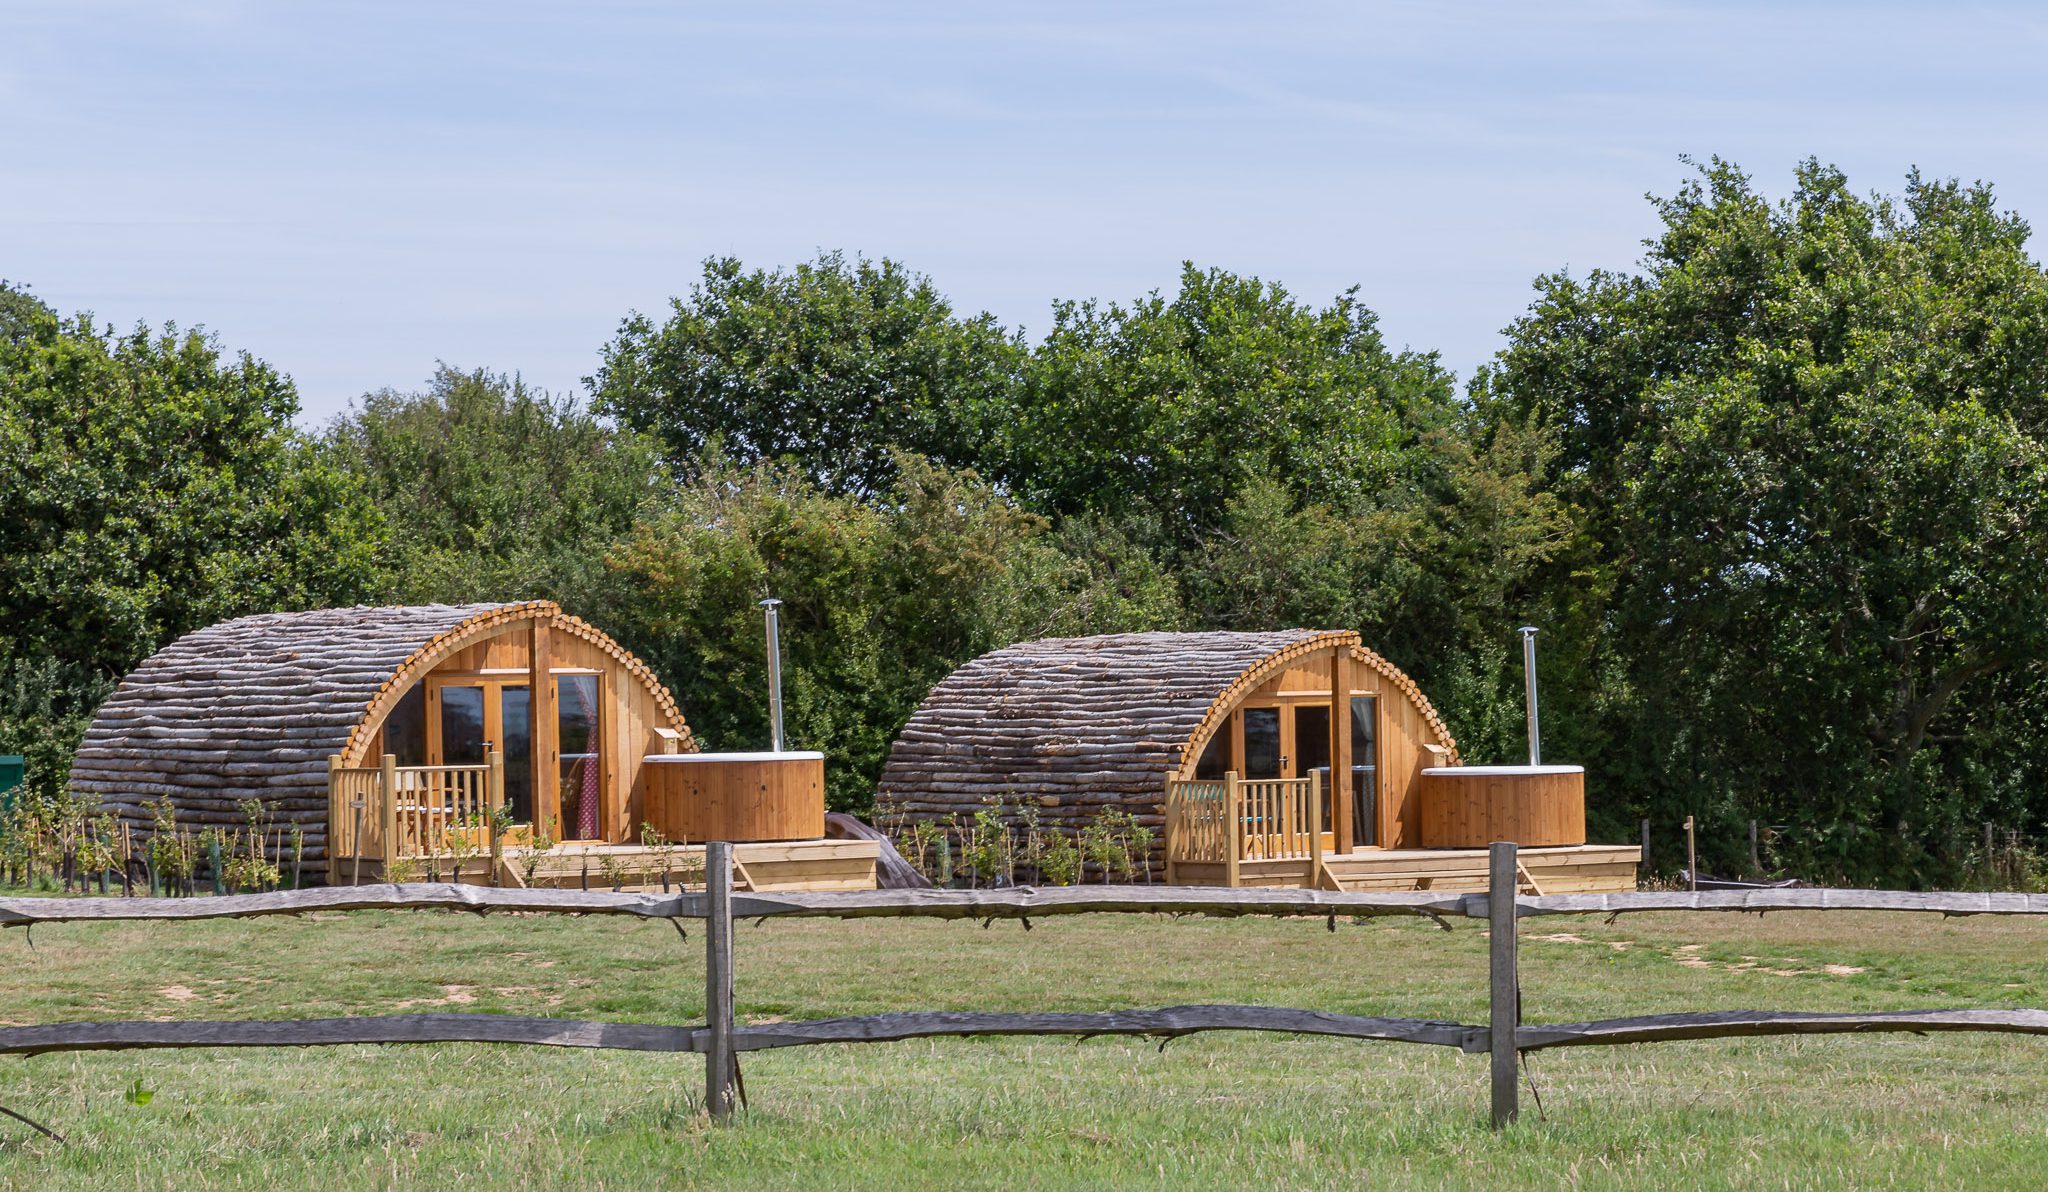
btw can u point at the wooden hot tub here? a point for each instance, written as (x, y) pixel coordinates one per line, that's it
(1473, 806)
(694, 797)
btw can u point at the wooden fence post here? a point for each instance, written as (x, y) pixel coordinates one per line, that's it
(1644, 860)
(718, 1011)
(1233, 840)
(494, 799)
(387, 809)
(1692, 857)
(1315, 829)
(1173, 827)
(1504, 986)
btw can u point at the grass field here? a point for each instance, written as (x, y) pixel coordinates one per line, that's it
(1209, 1111)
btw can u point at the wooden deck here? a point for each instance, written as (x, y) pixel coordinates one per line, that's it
(1567, 869)
(780, 866)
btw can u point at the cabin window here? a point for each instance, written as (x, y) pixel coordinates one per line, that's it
(462, 725)
(1311, 739)
(405, 730)
(515, 715)
(1365, 783)
(1261, 742)
(1215, 760)
(1312, 752)
(576, 738)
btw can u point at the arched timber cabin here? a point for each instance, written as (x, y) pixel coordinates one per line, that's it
(1226, 744)
(391, 734)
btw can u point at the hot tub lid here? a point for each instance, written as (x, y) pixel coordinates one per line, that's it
(787, 755)
(1498, 771)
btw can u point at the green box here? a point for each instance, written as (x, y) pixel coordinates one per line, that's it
(11, 770)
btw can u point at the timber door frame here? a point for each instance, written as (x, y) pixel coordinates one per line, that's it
(607, 829)
(492, 683)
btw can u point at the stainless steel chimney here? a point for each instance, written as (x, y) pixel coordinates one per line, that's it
(1529, 681)
(775, 673)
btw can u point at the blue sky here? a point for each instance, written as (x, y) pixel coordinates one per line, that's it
(355, 191)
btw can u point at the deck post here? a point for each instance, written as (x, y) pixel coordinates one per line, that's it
(494, 799)
(387, 807)
(334, 820)
(1341, 829)
(718, 1009)
(1315, 829)
(1233, 840)
(1173, 827)
(1504, 987)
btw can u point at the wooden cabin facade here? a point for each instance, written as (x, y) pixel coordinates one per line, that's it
(1297, 757)
(397, 734)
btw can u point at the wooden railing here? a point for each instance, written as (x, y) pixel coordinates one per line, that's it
(1237, 820)
(355, 823)
(1504, 1037)
(436, 802)
(1280, 819)
(1198, 831)
(396, 811)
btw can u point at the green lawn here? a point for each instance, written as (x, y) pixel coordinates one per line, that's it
(1210, 1111)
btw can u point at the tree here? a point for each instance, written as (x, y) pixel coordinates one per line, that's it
(882, 598)
(1170, 408)
(493, 490)
(1808, 438)
(152, 485)
(829, 367)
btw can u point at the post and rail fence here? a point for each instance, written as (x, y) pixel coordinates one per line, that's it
(1504, 1037)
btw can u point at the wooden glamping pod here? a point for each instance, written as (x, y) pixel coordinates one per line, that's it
(392, 736)
(1223, 743)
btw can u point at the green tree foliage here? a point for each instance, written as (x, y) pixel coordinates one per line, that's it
(1226, 457)
(1808, 442)
(828, 367)
(152, 485)
(1172, 408)
(882, 598)
(1088, 575)
(493, 490)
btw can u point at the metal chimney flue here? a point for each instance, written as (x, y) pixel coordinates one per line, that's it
(771, 606)
(1529, 681)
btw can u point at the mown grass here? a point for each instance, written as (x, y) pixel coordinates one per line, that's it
(1214, 1111)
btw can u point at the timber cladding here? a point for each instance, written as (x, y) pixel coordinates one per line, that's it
(1074, 726)
(253, 708)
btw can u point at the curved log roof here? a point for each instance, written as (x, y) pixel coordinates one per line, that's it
(1104, 718)
(253, 708)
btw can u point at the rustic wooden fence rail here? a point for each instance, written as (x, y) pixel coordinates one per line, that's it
(1505, 1037)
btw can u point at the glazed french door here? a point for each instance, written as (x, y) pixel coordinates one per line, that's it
(1289, 741)
(469, 717)
(579, 760)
